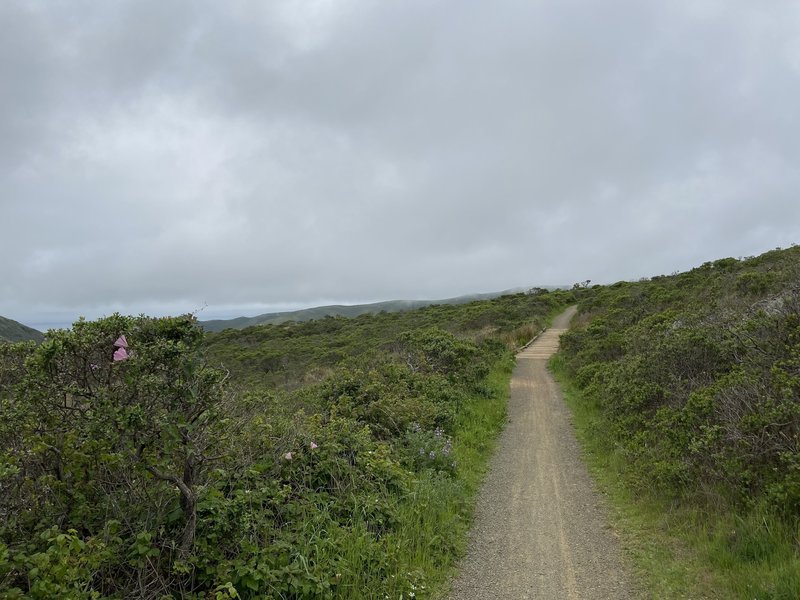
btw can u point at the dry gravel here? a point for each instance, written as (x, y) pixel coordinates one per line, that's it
(540, 528)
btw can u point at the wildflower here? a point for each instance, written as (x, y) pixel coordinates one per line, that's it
(94, 367)
(438, 432)
(313, 446)
(121, 342)
(432, 455)
(421, 451)
(416, 428)
(120, 354)
(288, 456)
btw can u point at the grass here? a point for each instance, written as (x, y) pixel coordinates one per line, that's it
(479, 425)
(681, 550)
(477, 429)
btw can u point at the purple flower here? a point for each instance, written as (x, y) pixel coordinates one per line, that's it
(313, 446)
(288, 456)
(120, 354)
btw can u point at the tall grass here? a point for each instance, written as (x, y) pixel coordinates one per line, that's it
(521, 335)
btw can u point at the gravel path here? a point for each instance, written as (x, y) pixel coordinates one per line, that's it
(540, 529)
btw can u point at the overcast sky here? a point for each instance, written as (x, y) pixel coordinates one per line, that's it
(160, 156)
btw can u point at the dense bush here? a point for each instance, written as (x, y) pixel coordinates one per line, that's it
(312, 460)
(699, 375)
(292, 355)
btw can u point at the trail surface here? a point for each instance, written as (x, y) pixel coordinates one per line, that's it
(540, 531)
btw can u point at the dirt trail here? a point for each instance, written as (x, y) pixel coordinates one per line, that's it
(540, 531)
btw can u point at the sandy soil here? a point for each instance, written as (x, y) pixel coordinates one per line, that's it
(540, 530)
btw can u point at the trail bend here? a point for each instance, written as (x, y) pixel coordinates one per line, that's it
(540, 530)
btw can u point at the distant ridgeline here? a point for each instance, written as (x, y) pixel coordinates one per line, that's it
(338, 310)
(12, 331)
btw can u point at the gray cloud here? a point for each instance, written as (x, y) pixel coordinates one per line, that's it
(155, 156)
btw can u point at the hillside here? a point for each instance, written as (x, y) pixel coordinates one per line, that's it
(337, 310)
(12, 331)
(291, 354)
(694, 381)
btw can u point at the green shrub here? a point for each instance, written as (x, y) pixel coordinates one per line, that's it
(280, 461)
(698, 376)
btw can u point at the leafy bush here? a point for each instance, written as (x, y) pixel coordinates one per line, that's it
(280, 461)
(700, 375)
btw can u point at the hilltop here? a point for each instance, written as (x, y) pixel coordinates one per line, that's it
(12, 331)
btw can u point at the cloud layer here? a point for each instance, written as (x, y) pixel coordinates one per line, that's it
(158, 156)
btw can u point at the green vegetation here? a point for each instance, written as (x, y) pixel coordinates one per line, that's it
(12, 331)
(337, 458)
(330, 459)
(686, 395)
(294, 354)
(335, 310)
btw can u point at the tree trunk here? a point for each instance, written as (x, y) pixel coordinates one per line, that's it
(188, 505)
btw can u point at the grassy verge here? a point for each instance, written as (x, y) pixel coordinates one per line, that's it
(478, 427)
(682, 551)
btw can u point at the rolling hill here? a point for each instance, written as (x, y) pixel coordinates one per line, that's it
(12, 331)
(338, 310)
